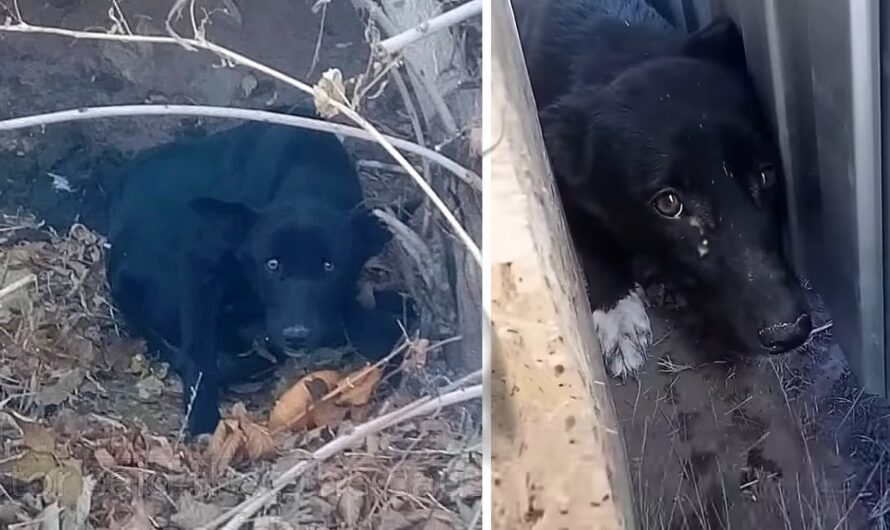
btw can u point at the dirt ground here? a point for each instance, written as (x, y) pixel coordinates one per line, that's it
(85, 410)
(789, 442)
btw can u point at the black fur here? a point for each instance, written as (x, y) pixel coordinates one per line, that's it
(632, 110)
(257, 230)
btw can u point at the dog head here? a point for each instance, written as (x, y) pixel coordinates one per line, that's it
(302, 261)
(675, 159)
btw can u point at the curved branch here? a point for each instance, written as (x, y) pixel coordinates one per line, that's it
(242, 60)
(122, 111)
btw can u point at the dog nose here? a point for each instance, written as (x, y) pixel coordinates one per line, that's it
(786, 336)
(296, 333)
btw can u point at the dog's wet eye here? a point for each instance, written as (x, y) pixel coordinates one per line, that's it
(328, 266)
(272, 265)
(668, 204)
(767, 176)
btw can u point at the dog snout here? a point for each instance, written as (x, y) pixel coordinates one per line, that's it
(296, 334)
(785, 336)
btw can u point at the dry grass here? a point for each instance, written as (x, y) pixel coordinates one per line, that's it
(86, 423)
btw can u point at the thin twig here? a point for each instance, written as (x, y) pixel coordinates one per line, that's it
(122, 111)
(16, 285)
(238, 515)
(397, 43)
(237, 58)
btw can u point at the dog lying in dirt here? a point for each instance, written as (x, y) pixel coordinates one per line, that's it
(665, 162)
(259, 229)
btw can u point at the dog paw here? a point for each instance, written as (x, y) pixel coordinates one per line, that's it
(624, 335)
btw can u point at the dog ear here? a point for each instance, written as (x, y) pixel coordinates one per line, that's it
(568, 139)
(232, 221)
(370, 232)
(721, 42)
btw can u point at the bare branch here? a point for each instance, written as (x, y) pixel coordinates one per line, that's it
(242, 60)
(92, 113)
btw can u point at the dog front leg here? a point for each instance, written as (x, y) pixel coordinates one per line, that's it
(619, 314)
(199, 305)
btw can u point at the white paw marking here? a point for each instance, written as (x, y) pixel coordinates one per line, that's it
(624, 334)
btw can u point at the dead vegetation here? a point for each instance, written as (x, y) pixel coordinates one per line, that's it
(72, 451)
(91, 431)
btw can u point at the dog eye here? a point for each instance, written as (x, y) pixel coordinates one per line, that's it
(668, 204)
(767, 175)
(272, 265)
(328, 266)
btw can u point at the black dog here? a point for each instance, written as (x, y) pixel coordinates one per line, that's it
(257, 229)
(663, 157)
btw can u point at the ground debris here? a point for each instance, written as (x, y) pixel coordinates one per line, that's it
(91, 432)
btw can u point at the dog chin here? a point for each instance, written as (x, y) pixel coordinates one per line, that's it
(624, 334)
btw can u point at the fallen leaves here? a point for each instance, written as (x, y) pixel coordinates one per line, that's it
(323, 398)
(191, 513)
(236, 438)
(59, 392)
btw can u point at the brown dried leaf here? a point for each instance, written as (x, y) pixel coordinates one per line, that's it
(257, 440)
(37, 437)
(64, 484)
(360, 385)
(417, 356)
(33, 465)
(226, 451)
(162, 455)
(327, 414)
(292, 408)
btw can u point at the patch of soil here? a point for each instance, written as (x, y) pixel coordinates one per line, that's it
(730, 444)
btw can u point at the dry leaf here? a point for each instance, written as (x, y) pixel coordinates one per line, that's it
(37, 437)
(417, 356)
(257, 440)
(149, 388)
(295, 402)
(329, 88)
(327, 414)
(78, 517)
(58, 393)
(162, 455)
(65, 485)
(33, 465)
(79, 348)
(192, 513)
(361, 385)
(224, 450)
(350, 506)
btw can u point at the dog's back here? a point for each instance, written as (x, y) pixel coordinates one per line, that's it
(569, 41)
(256, 165)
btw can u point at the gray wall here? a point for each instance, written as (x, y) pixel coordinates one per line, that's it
(817, 66)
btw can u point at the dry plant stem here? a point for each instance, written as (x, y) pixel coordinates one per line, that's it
(417, 79)
(397, 43)
(242, 60)
(122, 111)
(239, 515)
(16, 285)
